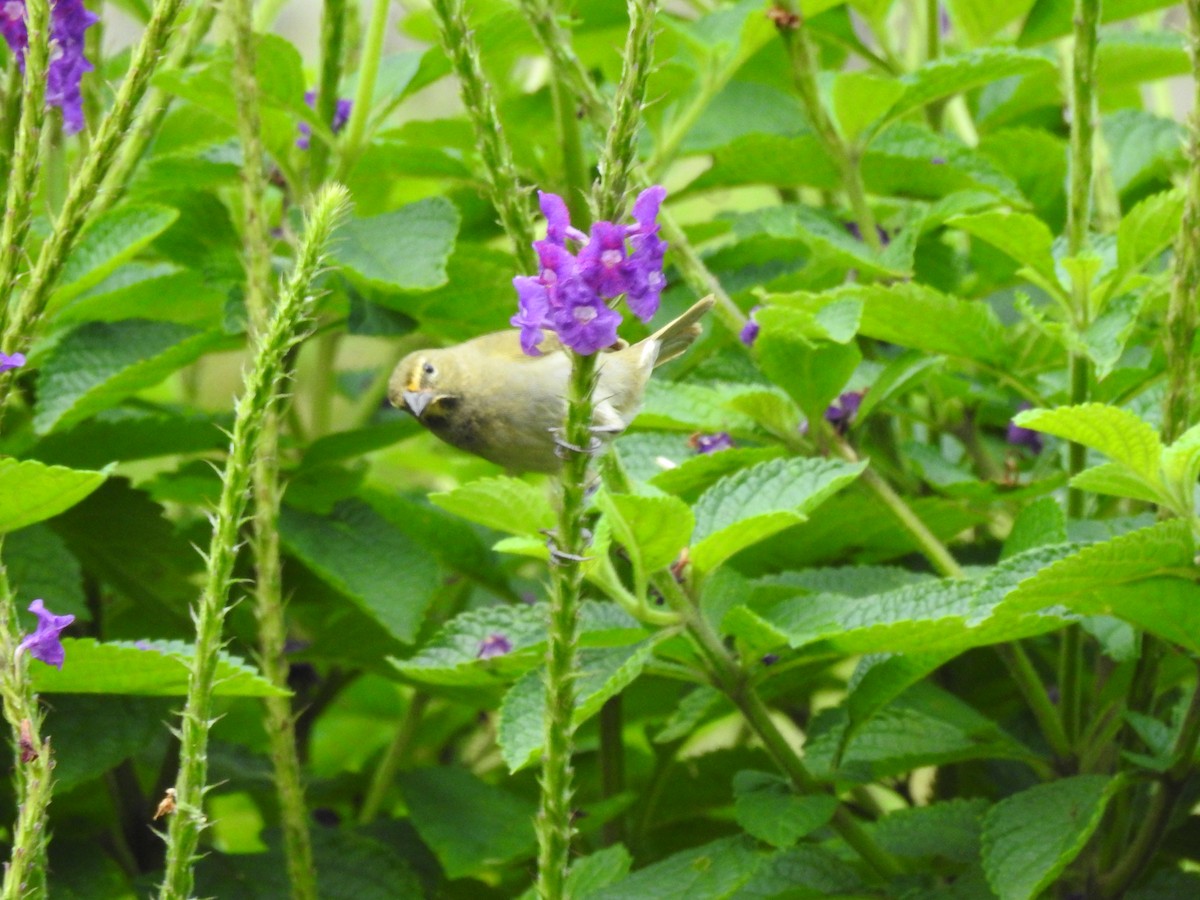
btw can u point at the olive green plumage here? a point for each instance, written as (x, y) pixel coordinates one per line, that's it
(487, 397)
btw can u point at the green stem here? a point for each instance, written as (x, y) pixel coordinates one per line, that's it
(1185, 289)
(612, 764)
(393, 756)
(110, 136)
(1029, 683)
(368, 71)
(508, 196)
(574, 162)
(22, 174)
(1167, 794)
(333, 39)
(33, 765)
(264, 384)
(554, 822)
(804, 73)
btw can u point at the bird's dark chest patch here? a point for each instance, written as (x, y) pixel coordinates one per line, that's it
(463, 428)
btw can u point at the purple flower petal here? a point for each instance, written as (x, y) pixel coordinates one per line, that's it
(44, 643)
(341, 115)
(841, 412)
(749, 332)
(1024, 437)
(711, 443)
(11, 361)
(69, 19)
(601, 261)
(531, 317)
(586, 325)
(493, 645)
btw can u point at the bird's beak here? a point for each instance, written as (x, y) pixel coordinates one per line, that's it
(416, 401)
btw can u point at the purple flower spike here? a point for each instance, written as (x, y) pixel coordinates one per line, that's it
(1024, 437)
(841, 412)
(341, 115)
(749, 333)
(570, 293)
(493, 645)
(44, 643)
(11, 361)
(711, 443)
(69, 19)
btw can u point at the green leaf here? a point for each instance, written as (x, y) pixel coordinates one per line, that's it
(826, 237)
(468, 824)
(39, 564)
(368, 560)
(880, 678)
(1041, 523)
(131, 432)
(713, 870)
(1181, 467)
(652, 529)
(860, 99)
(503, 503)
(1025, 238)
(99, 364)
(403, 250)
(1051, 19)
(813, 373)
(690, 406)
(598, 870)
(149, 669)
(949, 830)
(980, 20)
(801, 872)
(767, 808)
(108, 242)
(451, 657)
(747, 506)
(150, 291)
(946, 616)
(93, 733)
(1125, 58)
(902, 374)
(1031, 837)
(1144, 148)
(31, 491)
(1116, 480)
(1115, 432)
(1146, 231)
(962, 72)
(603, 672)
(916, 316)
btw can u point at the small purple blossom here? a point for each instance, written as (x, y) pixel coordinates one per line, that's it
(341, 115)
(493, 645)
(1024, 437)
(69, 19)
(749, 332)
(570, 293)
(45, 643)
(11, 361)
(711, 443)
(841, 412)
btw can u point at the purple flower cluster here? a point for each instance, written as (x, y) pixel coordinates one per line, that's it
(341, 115)
(11, 361)
(569, 295)
(45, 643)
(710, 443)
(69, 19)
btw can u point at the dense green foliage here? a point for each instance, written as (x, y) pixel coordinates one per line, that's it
(891, 643)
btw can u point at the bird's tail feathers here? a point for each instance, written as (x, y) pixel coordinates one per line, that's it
(677, 335)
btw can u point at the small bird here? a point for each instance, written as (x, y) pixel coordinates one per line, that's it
(487, 397)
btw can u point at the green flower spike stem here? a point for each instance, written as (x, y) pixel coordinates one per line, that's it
(268, 588)
(107, 144)
(1079, 203)
(368, 71)
(506, 193)
(554, 822)
(25, 872)
(263, 388)
(22, 175)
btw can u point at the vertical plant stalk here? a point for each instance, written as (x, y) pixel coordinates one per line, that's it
(22, 174)
(505, 191)
(262, 390)
(268, 587)
(333, 39)
(112, 134)
(804, 72)
(1079, 204)
(612, 765)
(150, 117)
(1185, 290)
(25, 872)
(368, 71)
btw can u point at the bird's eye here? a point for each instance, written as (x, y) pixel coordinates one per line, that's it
(428, 369)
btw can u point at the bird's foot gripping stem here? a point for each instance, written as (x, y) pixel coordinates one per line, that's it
(559, 556)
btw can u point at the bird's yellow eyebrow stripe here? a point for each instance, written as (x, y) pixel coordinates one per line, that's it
(414, 384)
